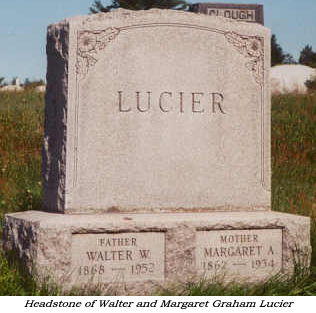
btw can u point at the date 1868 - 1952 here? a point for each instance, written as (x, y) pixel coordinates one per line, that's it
(100, 269)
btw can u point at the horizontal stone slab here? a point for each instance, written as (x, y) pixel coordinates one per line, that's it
(139, 253)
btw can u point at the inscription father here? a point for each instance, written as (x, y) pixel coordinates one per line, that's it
(117, 257)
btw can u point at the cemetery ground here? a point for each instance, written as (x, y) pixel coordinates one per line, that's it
(293, 187)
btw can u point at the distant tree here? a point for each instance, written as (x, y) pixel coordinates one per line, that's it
(2, 81)
(277, 55)
(311, 85)
(308, 56)
(31, 84)
(26, 82)
(97, 6)
(13, 81)
(288, 59)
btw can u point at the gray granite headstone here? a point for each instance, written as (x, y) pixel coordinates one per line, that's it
(157, 131)
(157, 111)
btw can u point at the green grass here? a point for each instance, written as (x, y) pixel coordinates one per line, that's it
(299, 285)
(16, 281)
(21, 133)
(293, 186)
(294, 157)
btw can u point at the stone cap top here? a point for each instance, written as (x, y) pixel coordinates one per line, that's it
(156, 14)
(157, 221)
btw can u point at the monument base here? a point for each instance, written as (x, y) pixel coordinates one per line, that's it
(132, 254)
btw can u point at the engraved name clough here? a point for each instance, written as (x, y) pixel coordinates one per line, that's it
(167, 101)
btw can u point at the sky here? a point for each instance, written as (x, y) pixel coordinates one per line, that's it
(23, 29)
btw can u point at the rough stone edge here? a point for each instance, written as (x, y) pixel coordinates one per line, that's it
(54, 147)
(20, 237)
(41, 241)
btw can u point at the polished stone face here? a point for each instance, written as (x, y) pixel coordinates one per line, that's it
(160, 110)
(243, 254)
(124, 257)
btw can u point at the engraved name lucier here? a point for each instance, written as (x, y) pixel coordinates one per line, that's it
(167, 101)
(137, 261)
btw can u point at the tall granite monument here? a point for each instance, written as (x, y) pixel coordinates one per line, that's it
(156, 158)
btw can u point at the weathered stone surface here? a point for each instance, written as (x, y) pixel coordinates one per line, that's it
(157, 110)
(58, 244)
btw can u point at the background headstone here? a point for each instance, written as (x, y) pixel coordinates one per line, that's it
(291, 78)
(252, 13)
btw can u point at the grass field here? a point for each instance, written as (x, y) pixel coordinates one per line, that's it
(293, 184)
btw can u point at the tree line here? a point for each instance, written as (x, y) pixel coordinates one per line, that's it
(97, 6)
(27, 84)
(278, 56)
